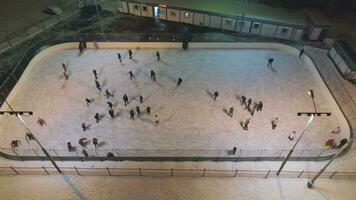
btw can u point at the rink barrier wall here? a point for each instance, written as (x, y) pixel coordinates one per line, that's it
(194, 45)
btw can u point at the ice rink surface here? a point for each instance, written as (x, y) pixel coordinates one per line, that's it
(189, 118)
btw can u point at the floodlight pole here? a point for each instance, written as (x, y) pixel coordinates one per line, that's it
(311, 182)
(99, 18)
(311, 93)
(292, 149)
(22, 122)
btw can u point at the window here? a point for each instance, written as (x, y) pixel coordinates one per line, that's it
(144, 8)
(228, 22)
(136, 7)
(173, 13)
(187, 14)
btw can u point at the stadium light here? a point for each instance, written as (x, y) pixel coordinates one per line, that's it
(22, 122)
(311, 94)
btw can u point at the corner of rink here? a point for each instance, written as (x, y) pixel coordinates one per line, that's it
(193, 45)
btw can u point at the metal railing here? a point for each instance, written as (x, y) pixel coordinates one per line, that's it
(171, 172)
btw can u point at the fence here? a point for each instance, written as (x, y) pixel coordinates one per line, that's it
(212, 173)
(167, 155)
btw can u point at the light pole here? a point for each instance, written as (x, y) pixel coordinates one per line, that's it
(311, 94)
(292, 149)
(99, 19)
(22, 122)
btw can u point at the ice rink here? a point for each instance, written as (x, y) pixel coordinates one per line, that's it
(189, 118)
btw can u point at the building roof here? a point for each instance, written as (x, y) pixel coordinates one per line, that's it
(237, 8)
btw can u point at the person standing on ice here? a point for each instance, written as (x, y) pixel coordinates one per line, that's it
(138, 110)
(80, 47)
(88, 101)
(270, 61)
(249, 101)
(158, 56)
(84, 127)
(108, 94)
(234, 150)
(274, 123)
(131, 75)
(141, 99)
(95, 142)
(231, 111)
(97, 84)
(82, 142)
(130, 54)
(97, 117)
(132, 114)
(180, 80)
(95, 74)
(243, 100)
(64, 67)
(245, 124)
(216, 94)
(119, 57)
(260, 106)
(70, 147)
(110, 105)
(153, 75)
(148, 110)
(126, 99)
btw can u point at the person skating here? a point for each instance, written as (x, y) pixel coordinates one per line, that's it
(231, 111)
(131, 75)
(111, 113)
(148, 110)
(301, 53)
(249, 101)
(270, 61)
(180, 80)
(274, 123)
(243, 100)
(216, 94)
(108, 93)
(245, 124)
(70, 147)
(234, 150)
(153, 75)
(64, 67)
(126, 99)
(97, 117)
(41, 121)
(291, 136)
(15, 143)
(130, 54)
(260, 106)
(119, 57)
(95, 74)
(110, 105)
(84, 127)
(141, 99)
(80, 47)
(88, 101)
(29, 137)
(132, 114)
(95, 142)
(138, 110)
(97, 84)
(158, 56)
(83, 142)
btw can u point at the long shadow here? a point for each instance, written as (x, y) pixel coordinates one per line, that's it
(73, 187)
(211, 95)
(273, 69)
(104, 83)
(147, 120)
(226, 112)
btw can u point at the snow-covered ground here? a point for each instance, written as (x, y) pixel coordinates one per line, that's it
(189, 118)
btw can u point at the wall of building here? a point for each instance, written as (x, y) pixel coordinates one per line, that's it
(255, 28)
(122, 7)
(268, 30)
(146, 10)
(284, 32)
(198, 19)
(215, 21)
(243, 26)
(228, 24)
(173, 14)
(186, 17)
(162, 13)
(206, 20)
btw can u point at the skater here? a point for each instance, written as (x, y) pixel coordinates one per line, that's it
(243, 100)
(274, 123)
(158, 56)
(180, 80)
(130, 54)
(111, 113)
(97, 117)
(97, 84)
(88, 101)
(29, 137)
(245, 124)
(249, 101)
(291, 136)
(64, 67)
(234, 150)
(126, 99)
(148, 110)
(95, 142)
(153, 75)
(252, 111)
(83, 142)
(259, 106)
(15, 143)
(110, 105)
(95, 74)
(336, 131)
(119, 57)
(131, 75)
(41, 122)
(108, 94)
(141, 99)
(84, 127)
(301, 53)
(85, 153)
(157, 120)
(132, 114)
(216, 94)
(84, 44)
(138, 111)
(70, 147)
(231, 111)
(270, 61)
(66, 76)
(80, 47)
